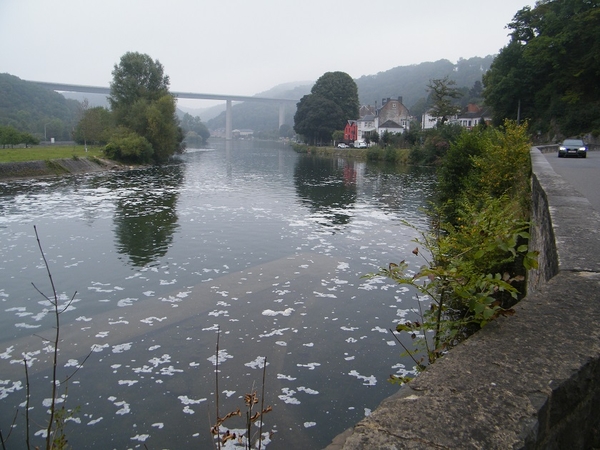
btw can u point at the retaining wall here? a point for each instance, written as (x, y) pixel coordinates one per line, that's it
(530, 381)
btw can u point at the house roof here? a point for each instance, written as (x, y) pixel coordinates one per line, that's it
(390, 124)
(474, 115)
(367, 118)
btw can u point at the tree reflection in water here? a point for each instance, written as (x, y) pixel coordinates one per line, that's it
(146, 220)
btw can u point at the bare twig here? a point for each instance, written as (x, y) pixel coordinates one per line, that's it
(27, 398)
(262, 404)
(408, 352)
(217, 388)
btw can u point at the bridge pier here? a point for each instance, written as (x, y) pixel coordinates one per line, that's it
(228, 134)
(281, 114)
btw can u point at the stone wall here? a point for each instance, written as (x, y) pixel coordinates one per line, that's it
(530, 381)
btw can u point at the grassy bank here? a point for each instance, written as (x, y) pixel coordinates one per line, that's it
(363, 154)
(48, 152)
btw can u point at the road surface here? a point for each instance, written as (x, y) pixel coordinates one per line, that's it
(581, 173)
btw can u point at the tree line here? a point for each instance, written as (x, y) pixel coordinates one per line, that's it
(548, 73)
(141, 125)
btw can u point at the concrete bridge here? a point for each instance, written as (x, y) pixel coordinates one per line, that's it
(229, 99)
(529, 381)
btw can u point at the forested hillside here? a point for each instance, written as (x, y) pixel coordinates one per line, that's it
(33, 109)
(408, 82)
(29, 107)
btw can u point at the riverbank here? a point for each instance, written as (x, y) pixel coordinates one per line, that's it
(526, 381)
(54, 167)
(389, 154)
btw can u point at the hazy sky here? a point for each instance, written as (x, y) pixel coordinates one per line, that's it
(243, 46)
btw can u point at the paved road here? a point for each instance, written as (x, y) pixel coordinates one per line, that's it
(582, 174)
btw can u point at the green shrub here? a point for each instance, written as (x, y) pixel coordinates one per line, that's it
(128, 146)
(475, 253)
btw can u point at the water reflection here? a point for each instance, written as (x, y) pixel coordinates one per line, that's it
(245, 237)
(327, 186)
(146, 219)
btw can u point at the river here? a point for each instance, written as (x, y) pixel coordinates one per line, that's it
(249, 238)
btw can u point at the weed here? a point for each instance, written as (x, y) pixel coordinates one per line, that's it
(55, 435)
(243, 437)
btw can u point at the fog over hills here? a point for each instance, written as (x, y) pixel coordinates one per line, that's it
(408, 82)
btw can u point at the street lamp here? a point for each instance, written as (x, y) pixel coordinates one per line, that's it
(45, 137)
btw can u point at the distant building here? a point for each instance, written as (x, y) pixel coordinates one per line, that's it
(392, 117)
(351, 131)
(391, 127)
(471, 117)
(242, 134)
(366, 125)
(395, 111)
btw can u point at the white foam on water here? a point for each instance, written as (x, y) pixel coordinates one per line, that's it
(127, 382)
(309, 366)
(189, 401)
(150, 320)
(307, 390)
(258, 363)
(321, 295)
(7, 353)
(281, 376)
(309, 424)
(140, 437)
(222, 355)
(368, 381)
(288, 397)
(286, 312)
(126, 302)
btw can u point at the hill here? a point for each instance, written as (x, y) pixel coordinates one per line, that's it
(36, 110)
(408, 82)
(42, 112)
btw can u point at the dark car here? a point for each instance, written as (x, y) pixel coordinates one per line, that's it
(572, 147)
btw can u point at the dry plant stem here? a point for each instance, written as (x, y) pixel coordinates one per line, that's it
(54, 301)
(4, 439)
(405, 349)
(27, 397)
(424, 334)
(262, 404)
(217, 387)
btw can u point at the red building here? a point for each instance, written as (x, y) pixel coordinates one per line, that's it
(351, 131)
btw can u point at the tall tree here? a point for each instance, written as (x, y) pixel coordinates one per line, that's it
(332, 102)
(317, 118)
(140, 101)
(443, 95)
(550, 68)
(94, 126)
(136, 77)
(341, 89)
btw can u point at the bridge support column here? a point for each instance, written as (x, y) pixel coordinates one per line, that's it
(228, 134)
(281, 114)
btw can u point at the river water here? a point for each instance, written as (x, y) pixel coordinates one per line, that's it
(249, 238)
